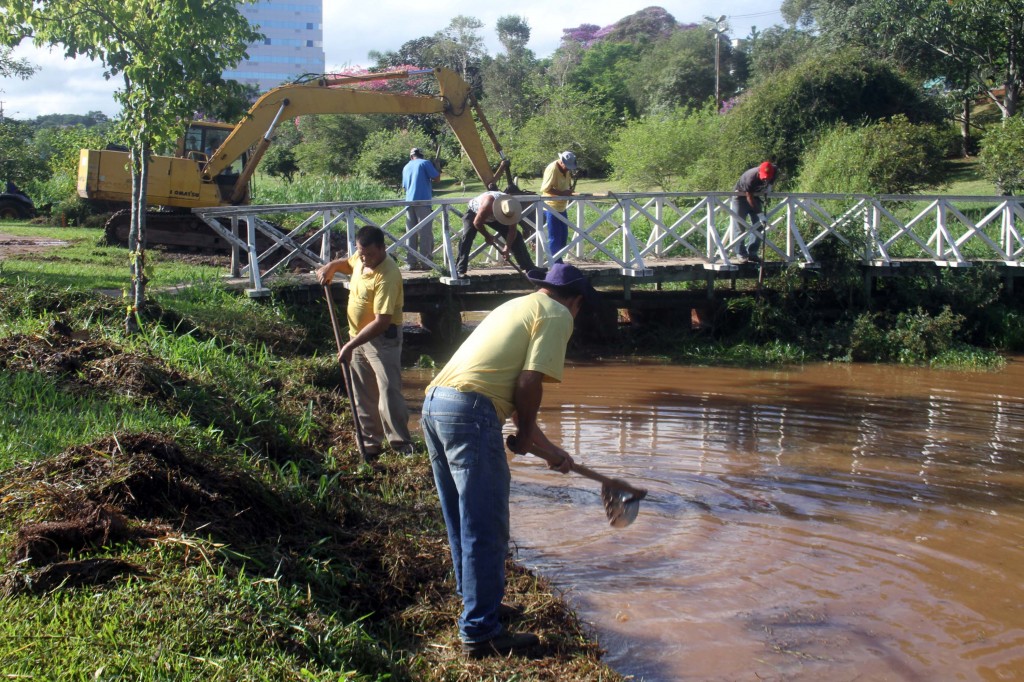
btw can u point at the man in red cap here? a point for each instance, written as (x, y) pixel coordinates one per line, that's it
(748, 204)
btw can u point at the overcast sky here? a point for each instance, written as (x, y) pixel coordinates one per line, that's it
(77, 86)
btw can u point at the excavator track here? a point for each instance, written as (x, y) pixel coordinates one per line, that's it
(178, 231)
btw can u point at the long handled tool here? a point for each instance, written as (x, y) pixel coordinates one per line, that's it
(346, 375)
(621, 500)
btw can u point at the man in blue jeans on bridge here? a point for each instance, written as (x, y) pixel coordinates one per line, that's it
(557, 182)
(417, 178)
(498, 372)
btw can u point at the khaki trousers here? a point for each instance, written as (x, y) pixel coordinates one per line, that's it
(377, 382)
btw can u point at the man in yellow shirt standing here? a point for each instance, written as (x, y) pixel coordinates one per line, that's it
(374, 348)
(557, 182)
(499, 371)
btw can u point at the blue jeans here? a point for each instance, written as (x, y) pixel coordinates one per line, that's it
(749, 213)
(467, 454)
(558, 232)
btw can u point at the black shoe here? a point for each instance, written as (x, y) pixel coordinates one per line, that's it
(504, 644)
(407, 449)
(510, 612)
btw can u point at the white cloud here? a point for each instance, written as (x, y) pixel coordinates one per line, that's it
(77, 86)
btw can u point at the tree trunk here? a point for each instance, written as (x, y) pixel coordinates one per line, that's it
(965, 128)
(1011, 87)
(137, 239)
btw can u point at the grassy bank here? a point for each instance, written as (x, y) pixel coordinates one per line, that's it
(187, 504)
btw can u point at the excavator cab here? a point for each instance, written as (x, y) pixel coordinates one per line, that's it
(201, 140)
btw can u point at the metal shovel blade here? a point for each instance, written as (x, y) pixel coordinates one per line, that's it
(620, 506)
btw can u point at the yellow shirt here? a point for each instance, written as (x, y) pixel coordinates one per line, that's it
(554, 178)
(526, 333)
(378, 291)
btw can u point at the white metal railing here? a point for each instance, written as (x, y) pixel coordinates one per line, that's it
(632, 230)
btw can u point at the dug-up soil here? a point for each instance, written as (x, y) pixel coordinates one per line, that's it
(18, 246)
(84, 517)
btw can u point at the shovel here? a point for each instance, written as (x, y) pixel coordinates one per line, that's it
(621, 500)
(346, 375)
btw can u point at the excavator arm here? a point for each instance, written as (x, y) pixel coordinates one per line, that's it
(195, 178)
(455, 101)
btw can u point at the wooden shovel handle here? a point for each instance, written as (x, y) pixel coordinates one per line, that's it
(555, 461)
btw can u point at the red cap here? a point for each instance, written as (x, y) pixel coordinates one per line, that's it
(766, 171)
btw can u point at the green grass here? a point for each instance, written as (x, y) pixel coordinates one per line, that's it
(84, 264)
(265, 550)
(964, 176)
(39, 417)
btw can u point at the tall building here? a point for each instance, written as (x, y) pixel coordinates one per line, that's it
(293, 43)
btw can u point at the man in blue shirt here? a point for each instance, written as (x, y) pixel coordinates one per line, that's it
(417, 178)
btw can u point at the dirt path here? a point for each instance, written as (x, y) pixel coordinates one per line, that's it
(13, 246)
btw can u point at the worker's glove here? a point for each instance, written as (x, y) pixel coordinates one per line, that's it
(763, 219)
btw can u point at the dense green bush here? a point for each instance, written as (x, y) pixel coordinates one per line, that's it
(657, 150)
(385, 153)
(570, 121)
(321, 188)
(331, 144)
(910, 337)
(1002, 155)
(886, 157)
(782, 116)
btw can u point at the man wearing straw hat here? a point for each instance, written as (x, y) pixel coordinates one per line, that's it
(498, 372)
(500, 212)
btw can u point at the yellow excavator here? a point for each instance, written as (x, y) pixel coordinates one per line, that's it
(214, 162)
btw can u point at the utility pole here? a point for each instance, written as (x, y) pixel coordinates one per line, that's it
(717, 30)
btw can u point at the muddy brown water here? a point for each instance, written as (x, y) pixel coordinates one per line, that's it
(827, 522)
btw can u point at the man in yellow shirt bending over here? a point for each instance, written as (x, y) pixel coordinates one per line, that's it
(497, 372)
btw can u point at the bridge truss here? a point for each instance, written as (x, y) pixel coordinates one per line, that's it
(634, 231)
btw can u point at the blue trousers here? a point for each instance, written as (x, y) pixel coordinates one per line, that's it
(471, 473)
(558, 232)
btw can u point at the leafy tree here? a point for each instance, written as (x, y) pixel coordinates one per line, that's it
(385, 153)
(1002, 155)
(957, 39)
(92, 119)
(778, 118)
(280, 160)
(507, 77)
(330, 144)
(226, 101)
(658, 149)
(459, 47)
(646, 25)
(417, 52)
(513, 33)
(566, 58)
(19, 161)
(885, 157)
(167, 53)
(570, 120)
(605, 71)
(680, 71)
(776, 49)
(59, 149)
(14, 68)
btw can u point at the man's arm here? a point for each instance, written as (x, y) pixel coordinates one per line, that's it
(325, 274)
(380, 324)
(527, 398)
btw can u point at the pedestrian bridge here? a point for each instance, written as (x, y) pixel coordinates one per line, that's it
(634, 235)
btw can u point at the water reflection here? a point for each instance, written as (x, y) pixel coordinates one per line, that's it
(823, 523)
